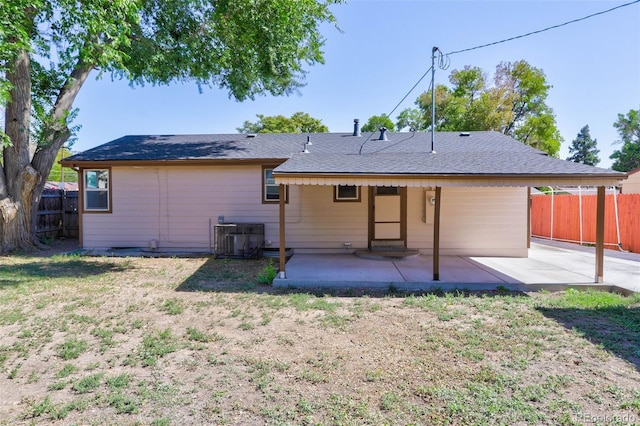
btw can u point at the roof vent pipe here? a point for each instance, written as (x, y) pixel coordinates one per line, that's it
(383, 134)
(356, 127)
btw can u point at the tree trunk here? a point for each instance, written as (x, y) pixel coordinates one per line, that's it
(22, 179)
(47, 150)
(17, 177)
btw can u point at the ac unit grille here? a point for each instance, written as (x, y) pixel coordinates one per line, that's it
(238, 240)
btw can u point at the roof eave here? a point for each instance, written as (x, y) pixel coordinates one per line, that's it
(179, 162)
(612, 175)
(448, 179)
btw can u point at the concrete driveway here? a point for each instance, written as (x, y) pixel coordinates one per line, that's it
(551, 265)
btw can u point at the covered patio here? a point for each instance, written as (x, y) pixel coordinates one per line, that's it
(447, 269)
(471, 161)
(552, 267)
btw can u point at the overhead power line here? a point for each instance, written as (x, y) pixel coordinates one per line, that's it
(545, 29)
(397, 105)
(411, 90)
(444, 60)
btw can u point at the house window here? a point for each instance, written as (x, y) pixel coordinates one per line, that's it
(346, 193)
(270, 189)
(387, 190)
(97, 190)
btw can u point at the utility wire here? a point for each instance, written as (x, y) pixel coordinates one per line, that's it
(399, 103)
(546, 29)
(444, 62)
(444, 59)
(411, 90)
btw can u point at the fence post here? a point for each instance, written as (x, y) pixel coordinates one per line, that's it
(580, 210)
(551, 230)
(63, 203)
(601, 197)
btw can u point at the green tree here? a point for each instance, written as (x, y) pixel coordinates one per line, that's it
(300, 122)
(583, 148)
(377, 121)
(628, 157)
(412, 119)
(515, 105)
(58, 173)
(48, 48)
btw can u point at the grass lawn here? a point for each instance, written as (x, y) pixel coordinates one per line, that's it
(138, 341)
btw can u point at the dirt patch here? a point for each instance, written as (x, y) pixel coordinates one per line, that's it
(200, 341)
(55, 247)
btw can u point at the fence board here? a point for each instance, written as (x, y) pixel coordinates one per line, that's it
(566, 219)
(57, 214)
(70, 207)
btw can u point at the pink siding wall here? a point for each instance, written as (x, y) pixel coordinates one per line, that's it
(175, 205)
(135, 216)
(484, 221)
(325, 225)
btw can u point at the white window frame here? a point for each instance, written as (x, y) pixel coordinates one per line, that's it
(266, 184)
(337, 197)
(87, 189)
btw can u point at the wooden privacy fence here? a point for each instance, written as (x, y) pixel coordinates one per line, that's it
(566, 219)
(58, 214)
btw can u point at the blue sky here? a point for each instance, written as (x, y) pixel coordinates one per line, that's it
(382, 51)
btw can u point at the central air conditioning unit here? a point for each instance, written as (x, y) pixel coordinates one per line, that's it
(238, 240)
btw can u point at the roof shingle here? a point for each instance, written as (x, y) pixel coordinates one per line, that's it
(479, 153)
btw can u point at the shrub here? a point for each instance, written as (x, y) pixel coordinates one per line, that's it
(268, 273)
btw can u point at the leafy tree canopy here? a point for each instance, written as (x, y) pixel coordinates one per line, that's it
(59, 173)
(583, 148)
(374, 123)
(246, 46)
(628, 157)
(412, 119)
(48, 48)
(514, 105)
(300, 122)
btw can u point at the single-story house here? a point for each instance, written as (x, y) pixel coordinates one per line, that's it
(450, 193)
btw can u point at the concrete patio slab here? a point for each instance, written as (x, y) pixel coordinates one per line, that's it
(549, 266)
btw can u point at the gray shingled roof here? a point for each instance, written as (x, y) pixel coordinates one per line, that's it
(337, 153)
(446, 163)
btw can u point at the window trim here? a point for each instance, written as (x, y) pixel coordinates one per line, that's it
(264, 188)
(109, 190)
(338, 199)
